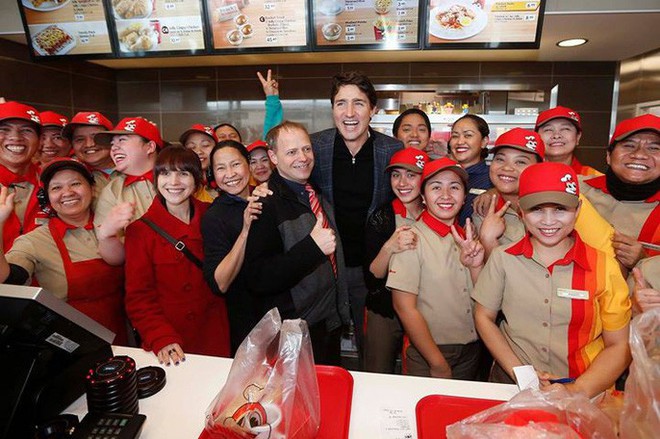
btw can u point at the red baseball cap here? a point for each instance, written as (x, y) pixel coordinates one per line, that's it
(52, 119)
(628, 127)
(409, 158)
(559, 112)
(86, 118)
(548, 182)
(443, 164)
(523, 140)
(198, 128)
(16, 110)
(256, 145)
(131, 125)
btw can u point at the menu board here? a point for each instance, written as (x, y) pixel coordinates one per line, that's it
(477, 24)
(384, 24)
(271, 24)
(66, 27)
(145, 27)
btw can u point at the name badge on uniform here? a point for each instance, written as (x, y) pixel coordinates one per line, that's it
(573, 294)
(475, 191)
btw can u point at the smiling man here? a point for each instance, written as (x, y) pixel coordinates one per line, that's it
(293, 260)
(628, 194)
(350, 171)
(20, 128)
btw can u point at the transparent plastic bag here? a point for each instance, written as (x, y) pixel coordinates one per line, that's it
(535, 414)
(641, 401)
(271, 391)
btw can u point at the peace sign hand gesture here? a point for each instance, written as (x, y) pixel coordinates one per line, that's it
(472, 251)
(270, 86)
(493, 225)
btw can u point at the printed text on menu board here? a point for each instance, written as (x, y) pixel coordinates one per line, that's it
(483, 21)
(67, 27)
(145, 26)
(352, 22)
(240, 24)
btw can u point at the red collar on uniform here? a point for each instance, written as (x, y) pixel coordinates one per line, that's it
(438, 226)
(130, 179)
(62, 227)
(577, 253)
(31, 176)
(576, 165)
(601, 184)
(400, 209)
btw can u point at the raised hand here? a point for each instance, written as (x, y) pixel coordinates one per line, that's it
(270, 86)
(493, 225)
(6, 203)
(402, 239)
(118, 219)
(472, 251)
(644, 297)
(627, 249)
(483, 201)
(324, 237)
(251, 212)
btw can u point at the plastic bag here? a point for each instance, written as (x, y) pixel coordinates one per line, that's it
(535, 414)
(641, 402)
(271, 391)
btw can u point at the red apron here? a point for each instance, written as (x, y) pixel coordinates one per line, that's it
(96, 289)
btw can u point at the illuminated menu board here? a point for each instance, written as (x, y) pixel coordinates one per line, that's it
(474, 24)
(66, 27)
(145, 27)
(377, 24)
(266, 24)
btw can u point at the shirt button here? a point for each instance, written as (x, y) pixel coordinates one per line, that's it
(546, 301)
(545, 324)
(544, 349)
(547, 275)
(468, 311)
(465, 290)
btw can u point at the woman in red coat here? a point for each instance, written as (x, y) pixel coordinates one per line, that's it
(167, 299)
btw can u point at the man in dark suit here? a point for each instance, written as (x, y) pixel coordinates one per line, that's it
(350, 171)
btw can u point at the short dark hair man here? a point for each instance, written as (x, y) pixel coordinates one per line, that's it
(350, 171)
(293, 260)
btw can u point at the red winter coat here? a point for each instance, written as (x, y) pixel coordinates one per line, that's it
(167, 299)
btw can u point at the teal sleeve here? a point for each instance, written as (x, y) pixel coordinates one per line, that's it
(274, 113)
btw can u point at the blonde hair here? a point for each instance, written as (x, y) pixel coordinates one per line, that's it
(274, 133)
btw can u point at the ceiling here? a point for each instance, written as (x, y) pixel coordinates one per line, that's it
(616, 30)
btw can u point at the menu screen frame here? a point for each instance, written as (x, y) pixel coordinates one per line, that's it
(238, 50)
(533, 45)
(316, 47)
(35, 56)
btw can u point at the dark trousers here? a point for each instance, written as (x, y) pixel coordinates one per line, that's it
(462, 358)
(382, 343)
(357, 296)
(326, 344)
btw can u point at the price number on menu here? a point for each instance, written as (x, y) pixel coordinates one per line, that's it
(271, 39)
(401, 28)
(269, 6)
(401, 13)
(529, 17)
(350, 8)
(79, 17)
(400, 4)
(84, 40)
(401, 36)
(350, 29)
(175, 39)
(350, 37)
(531, 5)
(170, 6)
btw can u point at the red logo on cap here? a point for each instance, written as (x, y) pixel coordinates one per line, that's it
(531, 143)
(571, 186)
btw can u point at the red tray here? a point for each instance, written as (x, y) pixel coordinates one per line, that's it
(336, 391)
(435, 412)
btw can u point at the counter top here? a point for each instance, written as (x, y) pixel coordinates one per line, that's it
(382, 404)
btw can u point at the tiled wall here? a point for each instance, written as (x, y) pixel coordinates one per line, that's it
(177, 98)
(63, 86)
(639, 82)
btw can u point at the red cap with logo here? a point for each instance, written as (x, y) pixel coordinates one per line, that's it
(131, 125)
(409, 158)
(256, 145)
(52, 119)
(443, 164)
(198, 128)
(86, 118)
(16, 110)
(559, 113)
(646, 122)
(549, 182)
(523, 140)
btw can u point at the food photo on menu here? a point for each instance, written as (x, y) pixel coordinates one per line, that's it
(457, 19)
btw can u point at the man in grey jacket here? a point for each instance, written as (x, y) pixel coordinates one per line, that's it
(350, 171)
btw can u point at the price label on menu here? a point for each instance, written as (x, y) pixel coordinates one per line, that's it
(370, 23)
(244, 24)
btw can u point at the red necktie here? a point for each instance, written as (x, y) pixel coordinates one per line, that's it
(317, 209)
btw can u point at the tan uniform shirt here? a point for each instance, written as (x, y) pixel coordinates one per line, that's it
(141, 193)
(434, 273)
(37, 253)
(554, 318)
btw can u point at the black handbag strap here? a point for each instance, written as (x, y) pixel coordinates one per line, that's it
(179, 245)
